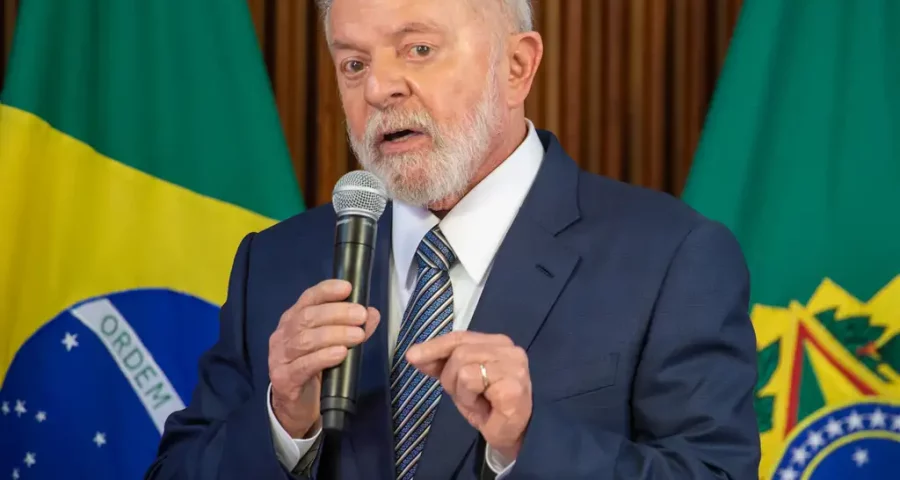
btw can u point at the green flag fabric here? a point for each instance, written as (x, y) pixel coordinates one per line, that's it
(139, 143)
(800, 158)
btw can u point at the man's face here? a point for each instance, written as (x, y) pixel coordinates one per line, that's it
(420, 90)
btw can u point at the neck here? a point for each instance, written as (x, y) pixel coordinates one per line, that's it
(507, 142)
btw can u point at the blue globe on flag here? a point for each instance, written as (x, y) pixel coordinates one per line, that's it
(88, 394)
(859, 441)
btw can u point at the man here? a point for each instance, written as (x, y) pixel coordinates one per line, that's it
(578, 327)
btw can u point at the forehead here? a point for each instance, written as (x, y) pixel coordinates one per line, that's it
(385, 17)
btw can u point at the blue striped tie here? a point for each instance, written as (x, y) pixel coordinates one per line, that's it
(414, 395)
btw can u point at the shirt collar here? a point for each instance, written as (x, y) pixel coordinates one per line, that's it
(476, 226)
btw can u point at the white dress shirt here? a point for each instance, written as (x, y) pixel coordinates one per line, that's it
(475, 228)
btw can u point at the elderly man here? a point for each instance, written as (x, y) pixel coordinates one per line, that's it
(579, 327)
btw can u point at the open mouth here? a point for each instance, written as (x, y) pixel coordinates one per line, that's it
(400, 135)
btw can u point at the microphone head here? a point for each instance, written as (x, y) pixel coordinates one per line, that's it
(359, 193)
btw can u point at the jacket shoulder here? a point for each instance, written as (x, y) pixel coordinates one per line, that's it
(635, 205)
(305, 237)
(642, 218)
(312, 222)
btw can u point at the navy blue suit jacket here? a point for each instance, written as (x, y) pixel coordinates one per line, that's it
(632, 307)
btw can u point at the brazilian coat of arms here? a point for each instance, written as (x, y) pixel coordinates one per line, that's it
(827, 397)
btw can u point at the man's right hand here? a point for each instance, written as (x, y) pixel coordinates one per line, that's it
(313, 335)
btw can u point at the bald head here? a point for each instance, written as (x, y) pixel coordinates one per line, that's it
(517, 15)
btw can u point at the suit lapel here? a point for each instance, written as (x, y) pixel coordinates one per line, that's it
(371, 434)
(530, 270)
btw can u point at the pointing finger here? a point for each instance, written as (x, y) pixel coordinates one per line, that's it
(442, 347)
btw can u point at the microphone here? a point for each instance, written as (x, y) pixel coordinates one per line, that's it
(359, 199)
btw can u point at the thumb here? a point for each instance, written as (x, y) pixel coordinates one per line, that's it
(478, 414)
(372, 321)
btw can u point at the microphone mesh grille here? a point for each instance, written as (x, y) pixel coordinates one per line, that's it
(359, 192)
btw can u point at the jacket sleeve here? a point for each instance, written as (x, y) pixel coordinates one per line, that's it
(692, 403)
(224, 432)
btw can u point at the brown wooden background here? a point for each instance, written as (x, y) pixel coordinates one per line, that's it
(625, 84)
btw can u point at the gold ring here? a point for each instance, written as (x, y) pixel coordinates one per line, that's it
(484, 377)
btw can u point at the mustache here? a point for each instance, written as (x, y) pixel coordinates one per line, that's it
(394, 120)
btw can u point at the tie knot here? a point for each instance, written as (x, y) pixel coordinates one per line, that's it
(434, 251)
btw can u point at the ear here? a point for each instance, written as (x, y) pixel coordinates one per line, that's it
(526, 51)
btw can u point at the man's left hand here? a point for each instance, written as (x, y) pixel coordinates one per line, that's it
(496, 400)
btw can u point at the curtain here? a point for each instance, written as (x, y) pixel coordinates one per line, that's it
(625, 84)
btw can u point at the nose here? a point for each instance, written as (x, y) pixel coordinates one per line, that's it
(385, 85)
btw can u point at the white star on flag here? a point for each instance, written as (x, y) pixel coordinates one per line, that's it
(41, 416)
(788, 474)
(896, 424)
(815, 440)
(20, 408)
(70, 341)
(29, 459)
(861, 457)
(854, 421)
(5, 408)
(834, 428)
(15, 474)
(100, 439)
(878, 419)
(800, 456)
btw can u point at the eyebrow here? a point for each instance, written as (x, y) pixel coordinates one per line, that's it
(407, 28)
(418, 27)
(342, 45)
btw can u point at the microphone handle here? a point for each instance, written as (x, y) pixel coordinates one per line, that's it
(354, 248)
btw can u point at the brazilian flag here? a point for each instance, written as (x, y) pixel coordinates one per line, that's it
(800, 157)
(139, 142)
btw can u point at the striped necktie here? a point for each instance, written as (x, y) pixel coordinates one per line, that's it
(429, 313)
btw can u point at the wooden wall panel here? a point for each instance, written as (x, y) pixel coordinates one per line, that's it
(625, 84)
(287, 60)
(592, 73)
(7, 24)
(613, 62)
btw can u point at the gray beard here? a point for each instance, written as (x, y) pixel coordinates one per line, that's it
(445, 171)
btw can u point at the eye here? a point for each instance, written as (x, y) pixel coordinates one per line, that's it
(421, 51)
(353, 67)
